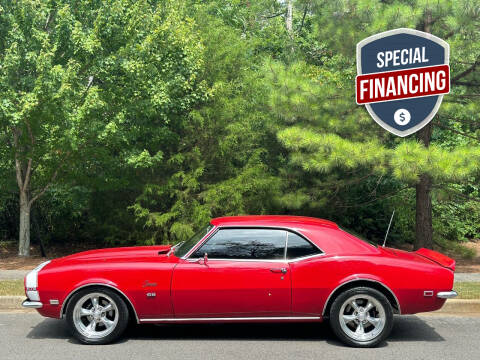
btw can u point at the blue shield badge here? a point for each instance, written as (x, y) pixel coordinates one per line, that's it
(402, 77)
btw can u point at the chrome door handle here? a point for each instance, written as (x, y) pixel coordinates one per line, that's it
(276, 270)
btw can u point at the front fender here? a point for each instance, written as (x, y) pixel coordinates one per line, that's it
(93, 282)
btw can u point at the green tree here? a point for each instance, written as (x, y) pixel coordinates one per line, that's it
(331, 137)
(83, 83)
(224, 164)
(150, 117)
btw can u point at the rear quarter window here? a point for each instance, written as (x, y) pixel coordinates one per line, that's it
(298, 247)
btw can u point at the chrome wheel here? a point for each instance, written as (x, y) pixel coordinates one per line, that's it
(362, 317)
(95, 315)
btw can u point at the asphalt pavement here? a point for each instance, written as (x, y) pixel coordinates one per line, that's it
(30, 336)
(466, 277)
(13, 274)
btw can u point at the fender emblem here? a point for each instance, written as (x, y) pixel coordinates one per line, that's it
(151, 294)
(147, 283)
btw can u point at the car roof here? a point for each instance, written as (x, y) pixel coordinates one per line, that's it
(272, 220)
(324, 233)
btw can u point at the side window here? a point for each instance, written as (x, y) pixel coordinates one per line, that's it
(297, 247)
(245, 244)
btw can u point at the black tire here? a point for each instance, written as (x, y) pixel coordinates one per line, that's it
(341, 330)
(121, 321)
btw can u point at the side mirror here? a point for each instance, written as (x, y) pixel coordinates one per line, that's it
(197, 260)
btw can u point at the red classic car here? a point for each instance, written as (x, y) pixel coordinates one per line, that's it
(244, 269)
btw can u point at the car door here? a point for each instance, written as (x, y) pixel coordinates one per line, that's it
(245, 275)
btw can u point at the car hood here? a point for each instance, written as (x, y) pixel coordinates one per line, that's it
(122, 253)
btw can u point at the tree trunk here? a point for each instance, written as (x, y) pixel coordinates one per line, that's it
(36, 233)
(24, 231)
(423, 217)
(423, 227)
(289, 17)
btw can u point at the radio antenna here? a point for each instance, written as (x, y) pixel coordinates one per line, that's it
(388, 229)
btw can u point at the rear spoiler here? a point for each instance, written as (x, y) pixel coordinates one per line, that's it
(435, 256)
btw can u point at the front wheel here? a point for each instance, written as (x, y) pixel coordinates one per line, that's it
(361, 317)
(97, 315)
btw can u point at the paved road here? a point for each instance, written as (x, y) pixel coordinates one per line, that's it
(13, 274)
(465, 277)
(29, 336)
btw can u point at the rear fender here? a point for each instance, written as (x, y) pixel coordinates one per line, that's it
(350, 280)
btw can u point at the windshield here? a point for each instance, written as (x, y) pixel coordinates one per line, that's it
(184, 247)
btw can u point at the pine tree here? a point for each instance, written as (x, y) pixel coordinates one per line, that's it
(335, 141)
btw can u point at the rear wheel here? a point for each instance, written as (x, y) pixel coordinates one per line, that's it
(361, 317)
(97, 315)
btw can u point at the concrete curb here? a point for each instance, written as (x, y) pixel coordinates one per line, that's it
(459, 306)
(11, 302)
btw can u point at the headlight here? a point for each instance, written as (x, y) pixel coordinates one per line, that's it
(31, 282)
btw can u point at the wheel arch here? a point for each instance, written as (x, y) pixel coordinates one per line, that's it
(374, 284)
(128, 302)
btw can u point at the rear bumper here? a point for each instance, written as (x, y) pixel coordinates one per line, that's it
(447, 294)
(32, 304)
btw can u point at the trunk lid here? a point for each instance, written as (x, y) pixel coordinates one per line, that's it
(422, 255)
(437, 257)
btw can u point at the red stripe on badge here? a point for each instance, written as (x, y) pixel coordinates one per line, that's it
(403, 84)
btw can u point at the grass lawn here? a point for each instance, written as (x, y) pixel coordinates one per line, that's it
(11, 287)
(466, 290)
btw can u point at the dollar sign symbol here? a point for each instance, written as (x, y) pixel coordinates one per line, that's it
(401, 117)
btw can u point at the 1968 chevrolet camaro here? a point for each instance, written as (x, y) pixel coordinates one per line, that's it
(244, 269)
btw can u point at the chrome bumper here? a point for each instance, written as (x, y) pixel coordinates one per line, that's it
(32, 304)
(447, 294)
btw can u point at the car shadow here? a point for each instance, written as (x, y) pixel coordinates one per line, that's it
(50, 329)
(413, 328)
(406, 328)
(255, 331)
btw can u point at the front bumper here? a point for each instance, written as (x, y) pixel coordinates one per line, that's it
(32, 304)
(447, 294)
